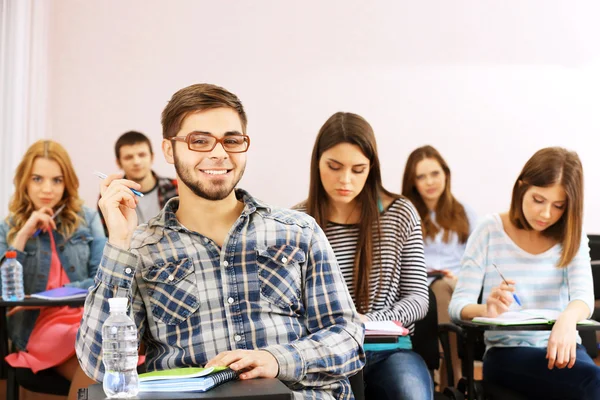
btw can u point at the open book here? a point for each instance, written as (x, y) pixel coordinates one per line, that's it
(386, 328)
(185, 379)
(62, 293)
(526, 317)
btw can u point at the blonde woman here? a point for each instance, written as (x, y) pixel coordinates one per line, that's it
(66, 252)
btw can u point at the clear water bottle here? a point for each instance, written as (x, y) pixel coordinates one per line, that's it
(119, 352)
(12, 278)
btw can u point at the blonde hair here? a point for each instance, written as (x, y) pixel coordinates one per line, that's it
(21, 206)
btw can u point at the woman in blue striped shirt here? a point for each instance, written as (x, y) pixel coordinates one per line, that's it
(540, 247)
(377, 241)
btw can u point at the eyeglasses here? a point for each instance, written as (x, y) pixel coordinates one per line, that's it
(200, 141)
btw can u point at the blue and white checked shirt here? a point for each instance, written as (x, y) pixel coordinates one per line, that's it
(274, 285)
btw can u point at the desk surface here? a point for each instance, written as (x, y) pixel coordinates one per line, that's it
(525, 327)
(264, 389)
(34, 302)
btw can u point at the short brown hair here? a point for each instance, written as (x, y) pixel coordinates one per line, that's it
(198, 97)
(545, 168)
(129, 139)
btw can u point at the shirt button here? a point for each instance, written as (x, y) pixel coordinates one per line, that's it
(128, 270)
(283, 260)
(225, 263)
(230, 300)
(170, 278)
(237, 338)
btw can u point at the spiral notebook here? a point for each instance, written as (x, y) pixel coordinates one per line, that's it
(185, 380)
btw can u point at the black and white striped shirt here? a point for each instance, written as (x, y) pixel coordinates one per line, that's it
(402, 292)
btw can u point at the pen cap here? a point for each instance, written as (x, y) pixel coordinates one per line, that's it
(118, 304)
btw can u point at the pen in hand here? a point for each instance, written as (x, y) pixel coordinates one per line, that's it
(39, 230)
(103, 176)
(514, 294)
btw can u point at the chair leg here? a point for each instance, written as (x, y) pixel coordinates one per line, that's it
(12, 386)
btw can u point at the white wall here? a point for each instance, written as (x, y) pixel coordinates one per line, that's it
(487, 83)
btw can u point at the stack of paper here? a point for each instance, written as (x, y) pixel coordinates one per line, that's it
(185, 379)
(389, 328)
(526, 317)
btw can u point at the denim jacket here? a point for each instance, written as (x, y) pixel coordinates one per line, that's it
(79, 256)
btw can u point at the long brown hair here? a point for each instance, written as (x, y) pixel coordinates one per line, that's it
(351, 128)
(547, 167)
(450, 215)
(21, 206)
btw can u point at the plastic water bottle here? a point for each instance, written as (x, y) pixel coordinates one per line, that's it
(119, 352)
(12, 278)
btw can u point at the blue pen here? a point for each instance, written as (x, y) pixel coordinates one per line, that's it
(103, 176)
(39, 230)
(514, 294)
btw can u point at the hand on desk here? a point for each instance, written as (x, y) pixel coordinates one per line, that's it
(253, 363)
(500, 299)
(562, 344)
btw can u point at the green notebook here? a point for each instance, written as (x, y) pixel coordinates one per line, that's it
(178, 373)
(527, 317)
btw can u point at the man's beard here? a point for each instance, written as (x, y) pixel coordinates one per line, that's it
(220, 192)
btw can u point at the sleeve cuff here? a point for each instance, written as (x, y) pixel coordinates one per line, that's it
(117, 267)
(291, 365)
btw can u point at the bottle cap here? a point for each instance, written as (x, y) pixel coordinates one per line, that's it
(11, 254)
(117, 304)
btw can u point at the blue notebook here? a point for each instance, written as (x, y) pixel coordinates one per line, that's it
(62, 293)
(195, 384)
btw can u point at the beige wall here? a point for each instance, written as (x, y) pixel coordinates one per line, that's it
(487, 83)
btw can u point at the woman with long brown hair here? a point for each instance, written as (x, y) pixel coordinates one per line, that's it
(376, 238)
(66, 252)
(446, 225)
(540, 248)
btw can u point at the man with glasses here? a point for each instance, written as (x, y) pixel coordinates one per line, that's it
(220, 278)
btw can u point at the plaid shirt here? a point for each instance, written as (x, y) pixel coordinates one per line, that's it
(274, 285)
(167, 189)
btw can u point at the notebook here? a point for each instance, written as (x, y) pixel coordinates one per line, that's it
(62, 293)
(527, 317)
(389, 328)
(185, 379)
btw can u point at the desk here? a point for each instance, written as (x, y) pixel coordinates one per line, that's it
(11, 388)
(471, 331)
(264, 389)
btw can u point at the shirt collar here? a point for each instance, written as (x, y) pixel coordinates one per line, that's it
(167, 218)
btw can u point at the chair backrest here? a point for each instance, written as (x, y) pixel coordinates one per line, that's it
(595, 256)
(425, 338)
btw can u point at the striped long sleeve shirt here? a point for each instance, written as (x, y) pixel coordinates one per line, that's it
(540, 284)
(273, 285)
(398, 283)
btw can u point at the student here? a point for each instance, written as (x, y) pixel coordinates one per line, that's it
(220, 278)
(376, 238)
(65, 253)
(134, 155)
(446, 225)
(540, 248)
